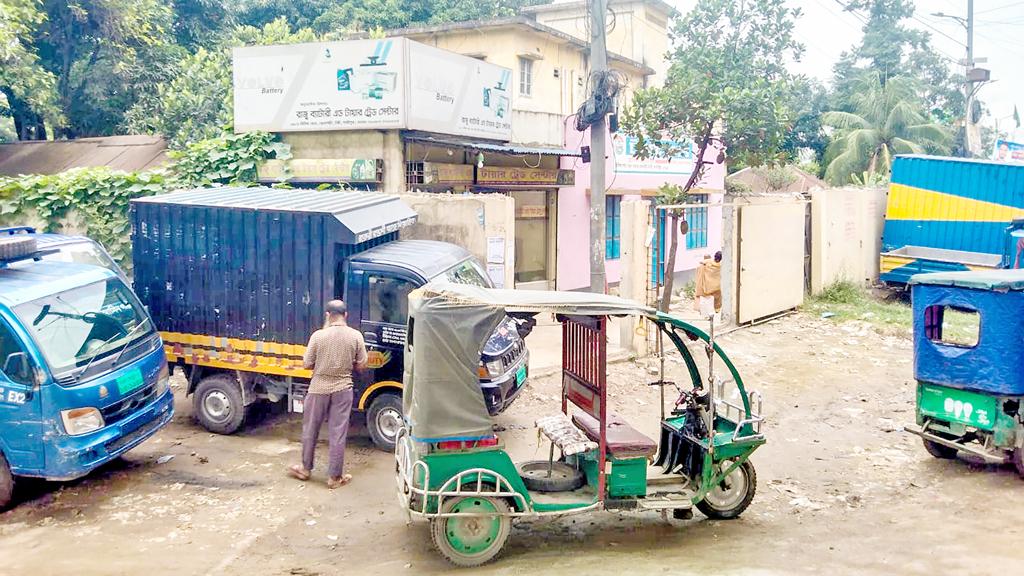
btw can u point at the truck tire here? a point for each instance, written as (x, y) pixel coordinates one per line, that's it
(1018, 462)
(384, 420)
(6, 483)
(16, 247)
(217, 404)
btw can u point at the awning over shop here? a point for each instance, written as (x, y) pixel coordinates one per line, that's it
(469, 144)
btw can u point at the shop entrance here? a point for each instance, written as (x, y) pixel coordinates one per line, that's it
(535, 239)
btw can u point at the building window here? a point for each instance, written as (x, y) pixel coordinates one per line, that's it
(697, 218)
(612, 227)
(525, 76)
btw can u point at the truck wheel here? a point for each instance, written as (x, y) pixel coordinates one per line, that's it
(939, 451)
(475, 540)
(384, 420)
(6, 483)
(16, 247)
(217, 404)
(732, 495)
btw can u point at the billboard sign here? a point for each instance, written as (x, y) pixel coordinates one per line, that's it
(681, 162)
(453, 94)
(391, 83)
(1006, 151)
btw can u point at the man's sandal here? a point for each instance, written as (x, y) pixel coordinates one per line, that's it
(333, 483)
(298, 472)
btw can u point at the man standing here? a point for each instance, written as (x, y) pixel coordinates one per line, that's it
(332, 354)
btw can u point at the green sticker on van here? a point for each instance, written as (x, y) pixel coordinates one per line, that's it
(130, 381)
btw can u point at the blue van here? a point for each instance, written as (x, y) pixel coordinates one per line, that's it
(82, 372)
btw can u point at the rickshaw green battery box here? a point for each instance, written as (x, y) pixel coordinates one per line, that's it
(970, 391)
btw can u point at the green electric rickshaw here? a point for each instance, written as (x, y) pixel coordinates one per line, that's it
(453, 470)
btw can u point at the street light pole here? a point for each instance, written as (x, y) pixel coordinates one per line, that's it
(598, 66)
(969, 84)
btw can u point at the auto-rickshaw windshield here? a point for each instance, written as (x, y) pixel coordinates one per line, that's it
(448, 326)
(74, 327)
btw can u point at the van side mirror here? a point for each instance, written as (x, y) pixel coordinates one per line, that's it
(17, 367)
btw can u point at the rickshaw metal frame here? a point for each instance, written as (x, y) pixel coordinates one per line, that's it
(586, 334)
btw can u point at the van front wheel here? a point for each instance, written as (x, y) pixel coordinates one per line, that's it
(217, 404)
(6, 483)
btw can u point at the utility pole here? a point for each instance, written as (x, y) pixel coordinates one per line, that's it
(968, 83)
(598, 134)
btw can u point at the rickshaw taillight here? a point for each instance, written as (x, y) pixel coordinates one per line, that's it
(465, 444)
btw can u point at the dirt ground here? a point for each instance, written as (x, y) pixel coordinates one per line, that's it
(841, 490)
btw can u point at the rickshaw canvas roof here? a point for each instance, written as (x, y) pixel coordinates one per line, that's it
(448, 326)
(993, 280)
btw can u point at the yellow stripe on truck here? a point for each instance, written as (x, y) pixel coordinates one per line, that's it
(377, 386)
(911, 203)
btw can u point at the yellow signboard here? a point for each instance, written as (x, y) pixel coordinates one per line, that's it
(441, 173)
(525, 176)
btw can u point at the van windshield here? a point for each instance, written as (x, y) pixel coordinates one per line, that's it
(468, 272)
(83, 324)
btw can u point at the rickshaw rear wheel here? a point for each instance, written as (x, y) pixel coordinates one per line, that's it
(732, 495)
(1018, 461)
(474, 540)
(940, 451)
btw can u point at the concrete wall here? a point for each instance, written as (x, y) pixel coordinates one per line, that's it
(635, 259)
(846, 235)
(467, 220)
(384, 144)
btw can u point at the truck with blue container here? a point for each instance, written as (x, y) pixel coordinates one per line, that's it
(970, 382)
(237, 278)
(83, 377)
(951, 214)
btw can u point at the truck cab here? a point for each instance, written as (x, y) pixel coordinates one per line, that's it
(82, 372)
(377, 285)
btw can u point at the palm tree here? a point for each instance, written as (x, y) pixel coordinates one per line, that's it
(888, 118)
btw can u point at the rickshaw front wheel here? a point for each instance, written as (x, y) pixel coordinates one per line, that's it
(732, 495)
(477, 538)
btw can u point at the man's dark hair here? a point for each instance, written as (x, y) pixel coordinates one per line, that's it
(718, 256)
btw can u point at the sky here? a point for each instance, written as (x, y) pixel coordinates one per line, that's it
(826, 30)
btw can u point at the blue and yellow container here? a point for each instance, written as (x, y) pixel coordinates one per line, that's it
(949, 214)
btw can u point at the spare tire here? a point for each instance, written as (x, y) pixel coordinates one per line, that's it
(16, 247)
(563, 477)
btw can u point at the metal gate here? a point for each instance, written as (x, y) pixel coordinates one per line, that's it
(771, 258)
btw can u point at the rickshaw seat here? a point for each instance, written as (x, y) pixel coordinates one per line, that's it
(623, 441)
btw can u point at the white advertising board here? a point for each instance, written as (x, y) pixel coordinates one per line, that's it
(370, 84)
(454, 94)
(357, 84)
(681, 163)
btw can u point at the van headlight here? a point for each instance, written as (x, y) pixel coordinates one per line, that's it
(80, 421)
(494, 368)
(163, 381)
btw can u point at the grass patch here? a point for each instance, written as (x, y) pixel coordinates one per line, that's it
(690, 289)
(843, 301)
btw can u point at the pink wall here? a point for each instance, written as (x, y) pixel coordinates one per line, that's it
(574, 212)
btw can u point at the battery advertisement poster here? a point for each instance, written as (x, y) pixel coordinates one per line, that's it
(391, 83)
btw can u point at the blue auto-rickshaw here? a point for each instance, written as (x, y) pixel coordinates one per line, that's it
(970, 391)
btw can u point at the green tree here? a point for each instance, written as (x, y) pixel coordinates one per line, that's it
(888, 118)
(726, 89)
(889, 47)
(197, 102)
(808, 98)
(28, 88)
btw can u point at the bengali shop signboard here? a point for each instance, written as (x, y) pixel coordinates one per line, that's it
(680, 162)
(369, 85)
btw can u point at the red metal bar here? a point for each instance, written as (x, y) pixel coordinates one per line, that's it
(603, 395)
